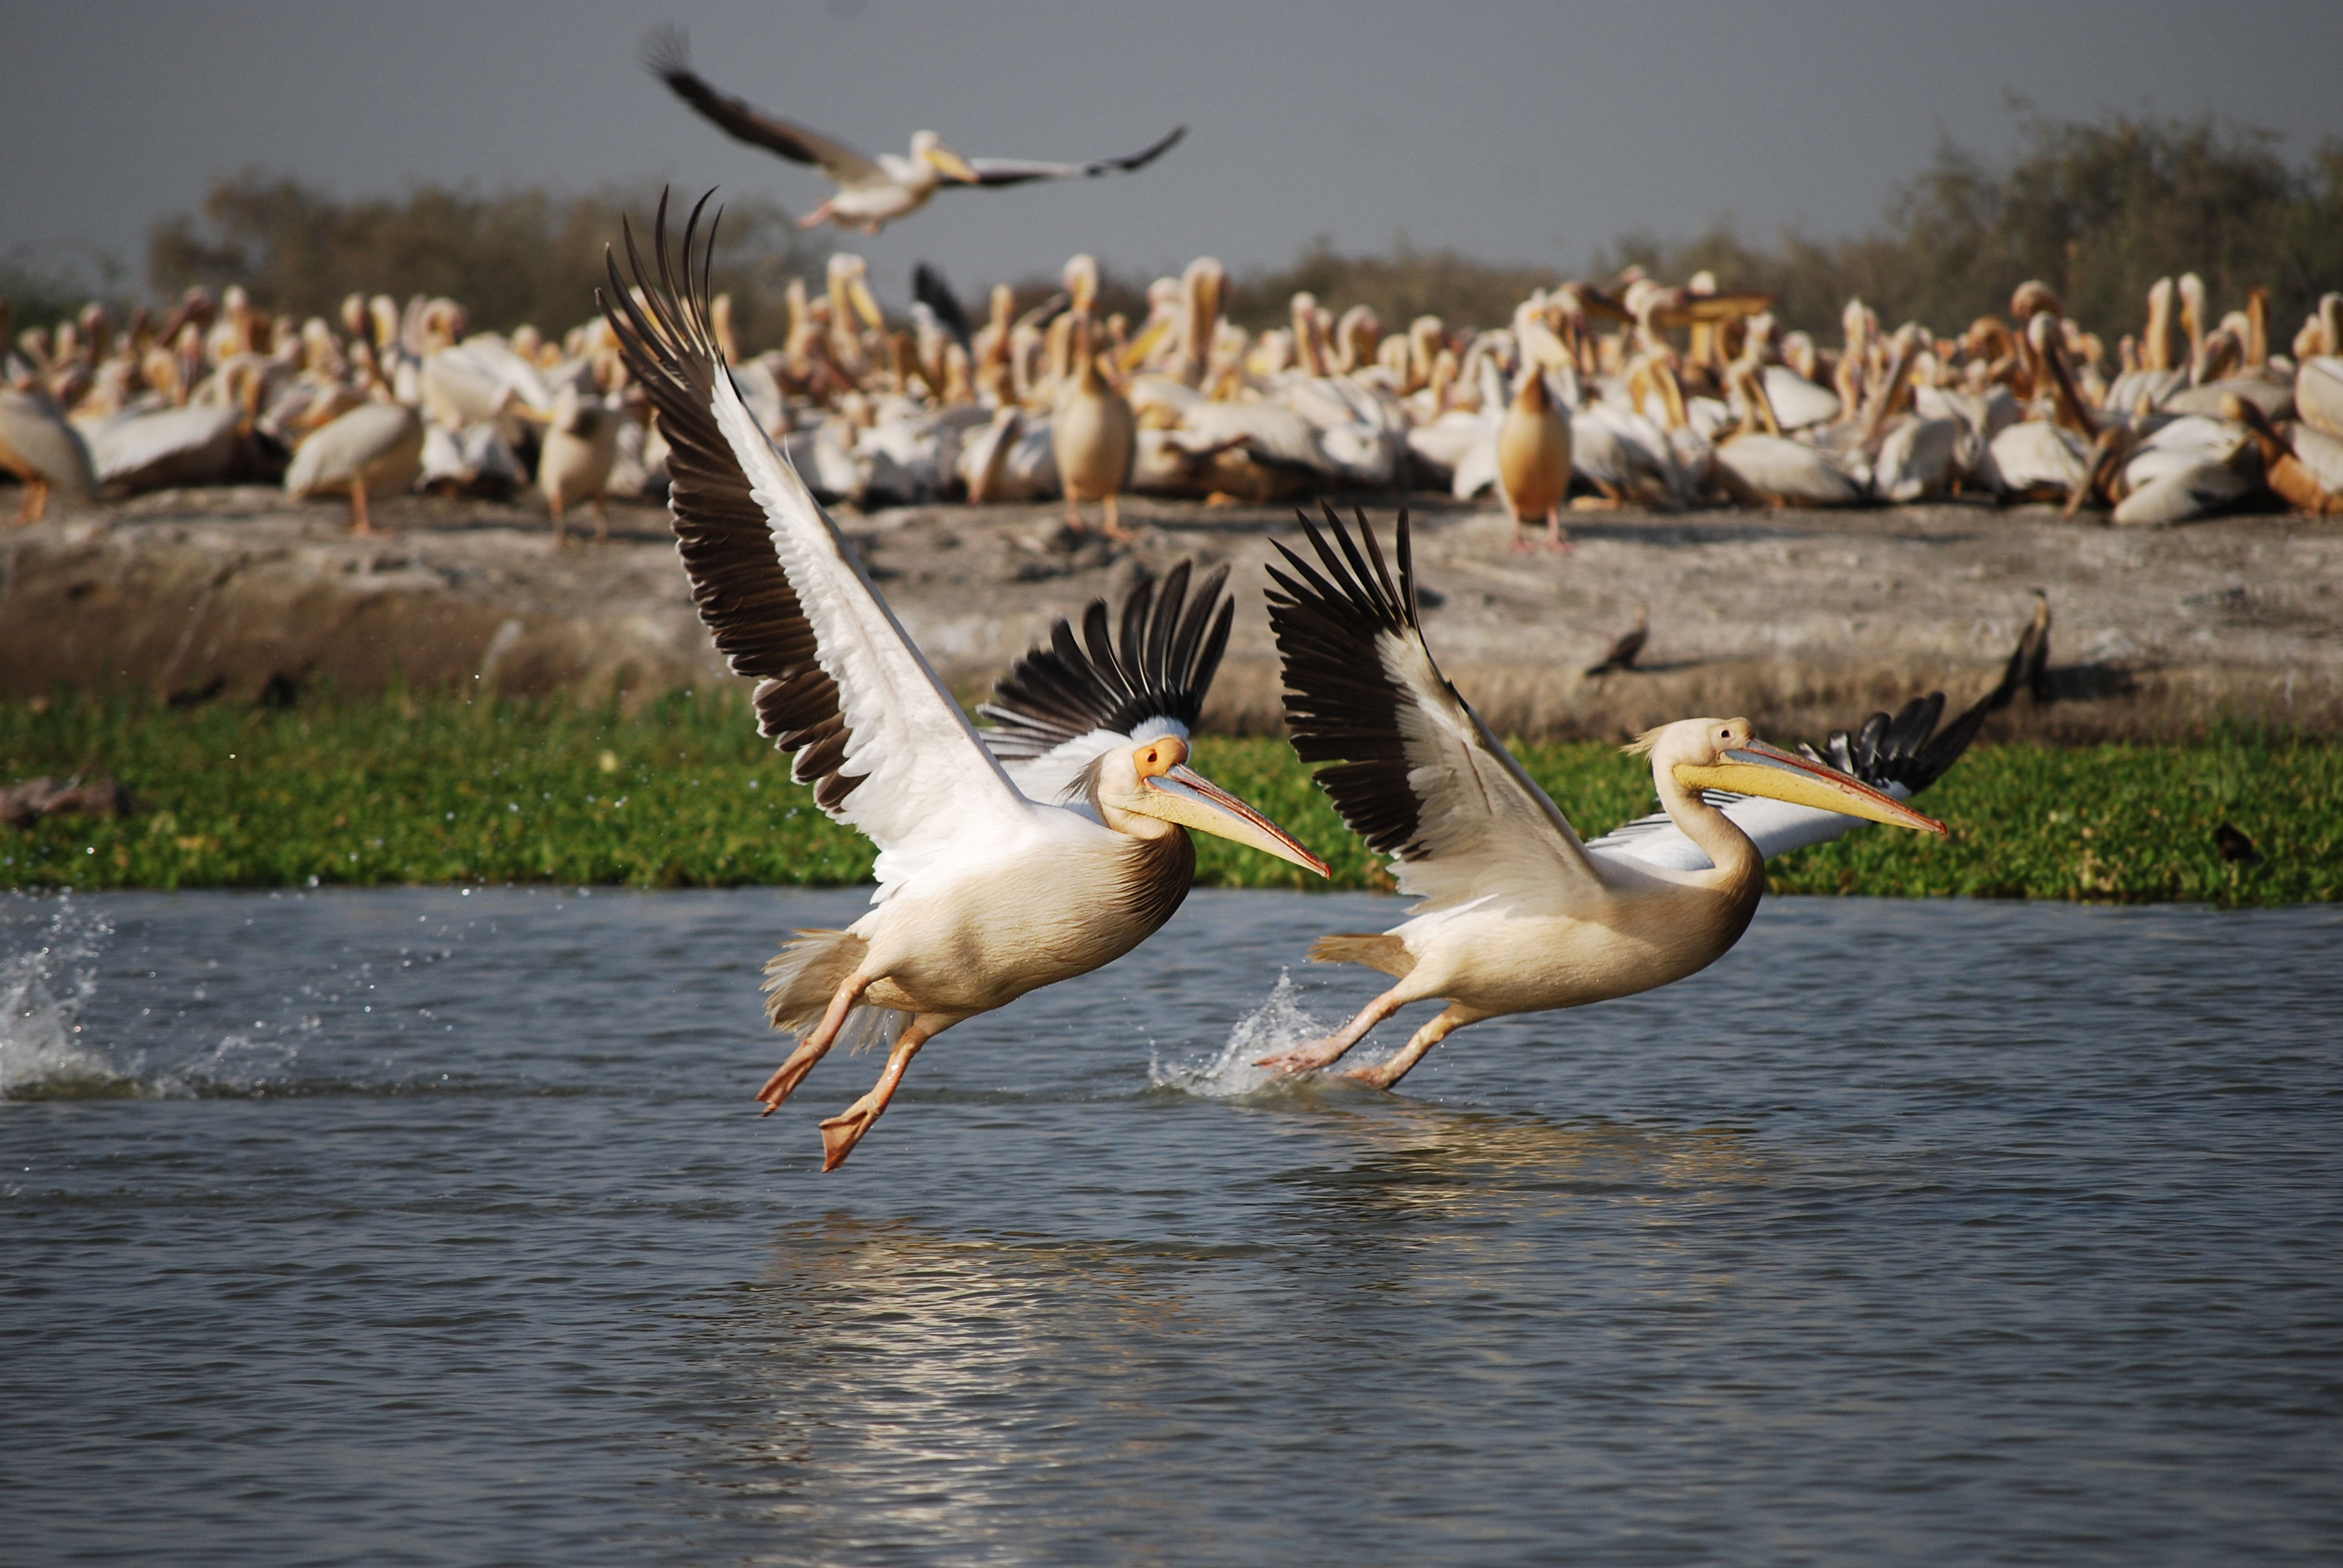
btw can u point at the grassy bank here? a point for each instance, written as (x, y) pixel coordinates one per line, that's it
(410, 789)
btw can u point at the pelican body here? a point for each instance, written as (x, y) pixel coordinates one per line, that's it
(1533, 459)
(43, 451)
(986, 890)
(1518, 914)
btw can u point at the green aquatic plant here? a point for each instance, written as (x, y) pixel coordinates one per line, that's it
(406, 789)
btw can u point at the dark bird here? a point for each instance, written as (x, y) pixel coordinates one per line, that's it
(873, 191)
(1626, 648)
(2235, 847)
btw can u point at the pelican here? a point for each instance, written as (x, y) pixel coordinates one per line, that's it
(985, 892)
(1534, 460)
(871, 192)
(574, 463)
(375, 446)
(1519, 915)
(1093, 431)
(43, 451)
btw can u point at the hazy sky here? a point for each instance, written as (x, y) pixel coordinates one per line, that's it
(1513, 132)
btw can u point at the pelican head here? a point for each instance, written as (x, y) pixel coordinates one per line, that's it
(1150, 780)
(1725, 754)
(927, 147)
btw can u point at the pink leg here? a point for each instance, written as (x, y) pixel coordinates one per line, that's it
(1553, 540)
(813, 1048)
(1312, 1054)
(816, 218)
(842, 1132)
(1384, 1074)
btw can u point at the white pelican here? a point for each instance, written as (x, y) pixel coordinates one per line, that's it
(871, 192)
(43, 451)
(984, 892)
(1094, 435)
(573, 462)
(1518, 915)
(1900, 757)
(374, 447)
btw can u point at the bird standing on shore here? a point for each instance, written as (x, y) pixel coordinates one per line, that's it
(1534, 460)
(42, 451)
(985, 892)
(1518, 915)
(872, 192)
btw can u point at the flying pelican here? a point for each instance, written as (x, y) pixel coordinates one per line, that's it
(871, 192)
(1519, 916)
(984, 892)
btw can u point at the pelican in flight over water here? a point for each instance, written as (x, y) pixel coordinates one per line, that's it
(1518, 914)
(872, 192)
(986, 890)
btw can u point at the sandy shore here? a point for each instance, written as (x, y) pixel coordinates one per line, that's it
(1802, 620)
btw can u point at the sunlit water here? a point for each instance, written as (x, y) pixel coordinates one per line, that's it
(404, 1227)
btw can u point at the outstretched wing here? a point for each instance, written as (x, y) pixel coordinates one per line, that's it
(1066, 703)
(1902, 756)
(1417, 774)
(873, 730)
(667, 58)
(1018, 171)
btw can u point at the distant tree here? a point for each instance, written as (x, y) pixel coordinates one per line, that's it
(2099, 210)
(522, 255)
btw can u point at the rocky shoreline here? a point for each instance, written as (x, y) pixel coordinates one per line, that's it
(1801, 619)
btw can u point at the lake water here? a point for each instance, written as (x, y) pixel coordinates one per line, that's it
(423, 1227)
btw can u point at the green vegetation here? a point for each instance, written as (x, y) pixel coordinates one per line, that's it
(406, 789)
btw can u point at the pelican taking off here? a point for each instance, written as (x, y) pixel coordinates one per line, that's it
(871, 191)
(985, 892)
(1518, 915)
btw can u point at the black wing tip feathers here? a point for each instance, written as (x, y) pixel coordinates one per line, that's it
(1341, 706)
(742, 594)
(1907, 748)
(1172, 637)
(666, 52)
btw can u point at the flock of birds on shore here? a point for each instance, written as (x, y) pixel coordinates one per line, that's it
(1634, 394)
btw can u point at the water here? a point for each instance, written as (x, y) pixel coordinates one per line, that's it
(416, 1226)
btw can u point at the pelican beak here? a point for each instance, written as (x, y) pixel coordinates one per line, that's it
(866, 305)
(953, 165)
(1758, 768)
(1181, 794)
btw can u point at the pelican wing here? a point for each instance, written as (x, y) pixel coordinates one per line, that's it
(1019, 171)
(1417, 774)
(1069, 700)
(872, 729)
(736, 117)
(1902, 756)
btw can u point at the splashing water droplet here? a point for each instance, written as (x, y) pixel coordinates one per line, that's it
(1278, 1024)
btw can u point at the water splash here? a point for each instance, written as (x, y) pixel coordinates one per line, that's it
(49, 970)
(1278, 1024)
(237, 1065)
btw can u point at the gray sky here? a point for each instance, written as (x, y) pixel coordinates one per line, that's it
(1512, 132)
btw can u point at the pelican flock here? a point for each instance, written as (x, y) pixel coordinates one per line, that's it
(991, 882)
(1592, 395)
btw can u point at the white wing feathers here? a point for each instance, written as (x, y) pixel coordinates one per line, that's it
(928, 779)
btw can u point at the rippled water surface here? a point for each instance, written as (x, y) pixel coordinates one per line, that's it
(412, 1226)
